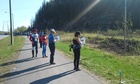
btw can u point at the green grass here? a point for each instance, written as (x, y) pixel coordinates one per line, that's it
(9, 53)
(106, 64)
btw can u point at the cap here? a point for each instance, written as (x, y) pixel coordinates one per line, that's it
(52, 30)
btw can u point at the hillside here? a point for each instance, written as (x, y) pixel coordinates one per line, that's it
(70, 15)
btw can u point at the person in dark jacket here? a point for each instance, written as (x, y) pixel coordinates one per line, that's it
(76, 50)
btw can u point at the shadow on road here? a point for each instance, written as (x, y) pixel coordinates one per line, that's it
(32, 69)
(49, 79)
(17, 61)
(25, 49)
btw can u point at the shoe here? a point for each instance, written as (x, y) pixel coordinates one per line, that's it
(36, 55)
(52, 63)
(32, 56)
(74, 68)
(78, 69)
(46, 56)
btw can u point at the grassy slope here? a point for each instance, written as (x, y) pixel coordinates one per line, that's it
(106, 64)
(9, 53)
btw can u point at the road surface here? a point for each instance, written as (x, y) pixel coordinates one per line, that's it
(3, 36)
(37, 70)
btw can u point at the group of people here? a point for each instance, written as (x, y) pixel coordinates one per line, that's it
(49, 40)
(45, 40)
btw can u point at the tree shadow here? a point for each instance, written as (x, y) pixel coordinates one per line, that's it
(33, 69)
(25, 49)
(51, 78)
(23, 71)
(17, 61)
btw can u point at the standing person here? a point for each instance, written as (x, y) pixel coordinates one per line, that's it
(52, 45)
(34, 39)
(28, 34)
(44, 44)
(40, 36)
(76, 50)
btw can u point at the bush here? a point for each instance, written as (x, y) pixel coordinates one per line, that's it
(117, 45)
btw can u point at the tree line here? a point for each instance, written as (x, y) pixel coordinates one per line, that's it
(107, 14)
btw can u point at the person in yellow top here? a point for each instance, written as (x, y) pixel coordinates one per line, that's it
(44, 44)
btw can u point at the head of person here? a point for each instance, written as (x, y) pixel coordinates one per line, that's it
(77, 34)
(53, 31)
(35, 31)
(45, 33)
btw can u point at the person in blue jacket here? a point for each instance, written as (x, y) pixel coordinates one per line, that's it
(52, 41)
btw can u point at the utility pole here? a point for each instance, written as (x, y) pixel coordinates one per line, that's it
(11, 32)
(13, 25)
(125, 26)
(3, 26)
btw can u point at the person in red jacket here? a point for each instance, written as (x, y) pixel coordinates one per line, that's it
(44, 44)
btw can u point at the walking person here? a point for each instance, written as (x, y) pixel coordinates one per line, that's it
(28, 34)
(40, 36)
(34, 39)
(76, 50)
(44, 44)
(52, 41)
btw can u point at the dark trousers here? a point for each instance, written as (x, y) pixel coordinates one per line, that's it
(40, 43)
(76, 57)
(52, 50)
(34, 45)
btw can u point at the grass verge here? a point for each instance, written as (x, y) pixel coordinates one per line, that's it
(9, 54)
(106, 64)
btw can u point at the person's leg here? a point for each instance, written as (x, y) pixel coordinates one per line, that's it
(33, 47)
(74, 62)
(52, 50)
(50, 53)
(43, 50)
(40, 42)
(36, 47)
(78, 58)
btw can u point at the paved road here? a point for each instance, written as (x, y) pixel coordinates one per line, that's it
(3, 36)
(37, 70)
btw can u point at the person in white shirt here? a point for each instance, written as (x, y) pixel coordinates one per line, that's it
(34, 37)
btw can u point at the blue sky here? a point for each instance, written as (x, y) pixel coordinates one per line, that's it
(23, 11)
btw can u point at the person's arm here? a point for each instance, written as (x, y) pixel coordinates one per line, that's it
(54, 40)
(30, 38)
(79, 41)
(38, 36)
(47, 39)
